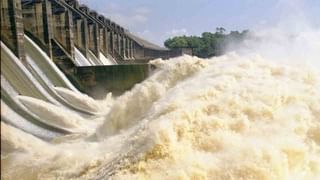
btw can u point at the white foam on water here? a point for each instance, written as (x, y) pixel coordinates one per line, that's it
(13, 139)
(85, 102)
(231, 117)
(56, 116)
(238, 119)
(105, 60)
(92, 57)
(80, 58)
(35, 56)
(133, 105)
(9, 115)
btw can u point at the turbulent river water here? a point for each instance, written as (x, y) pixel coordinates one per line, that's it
(230, 117)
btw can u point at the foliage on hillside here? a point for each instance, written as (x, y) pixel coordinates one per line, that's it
(209, 44)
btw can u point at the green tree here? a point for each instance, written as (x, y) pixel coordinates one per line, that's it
(208, 44)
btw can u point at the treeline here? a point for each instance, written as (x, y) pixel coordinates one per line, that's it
(209, 44)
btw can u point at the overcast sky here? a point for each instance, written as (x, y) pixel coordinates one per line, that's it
(156, 20)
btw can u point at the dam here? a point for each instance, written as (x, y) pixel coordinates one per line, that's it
(47, 44)
(84, 98)
(73, 37)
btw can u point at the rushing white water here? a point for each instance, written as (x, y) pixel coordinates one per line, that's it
(232, 117)
(20, 78)
(254, 114)
(56, 116)
(81, 60)
(94, 59)
(9, 115)
(106, 61)
(44, 66)
(16, 140)
(83, 101)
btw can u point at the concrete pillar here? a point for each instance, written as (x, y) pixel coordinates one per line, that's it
(85, 36)
(38, 23)
(115, 42)
(129, 48)
(132, 50)
(107, 39)
(80, 31)
(110, 41)
(47, 25)
(119, 44)
(123, 47)
(12, 33)
(94, 38)
(63, 28)
(93, 29)
(69, 33)
(126, 48)
(77, 32)
(104, 36)
(103, 40)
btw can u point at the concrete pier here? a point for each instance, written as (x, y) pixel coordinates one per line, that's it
(12, 26)
(37, 19)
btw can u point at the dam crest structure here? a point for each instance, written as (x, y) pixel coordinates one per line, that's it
(85, 45)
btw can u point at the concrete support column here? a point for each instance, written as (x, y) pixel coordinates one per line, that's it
(69, 33)
(129, 48)
(63, 28)
(110, 41)
(94, 38)
(115, 42)
(132, 49)
(80, 31)
(106, 34)
(103, 32)
(12, 33)
(85, 36)
(77, 32)
(119, 44)
(38, 23)
(123, 46)
(126, 48)
(47, 26)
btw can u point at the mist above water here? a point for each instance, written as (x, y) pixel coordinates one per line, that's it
(292, 37)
